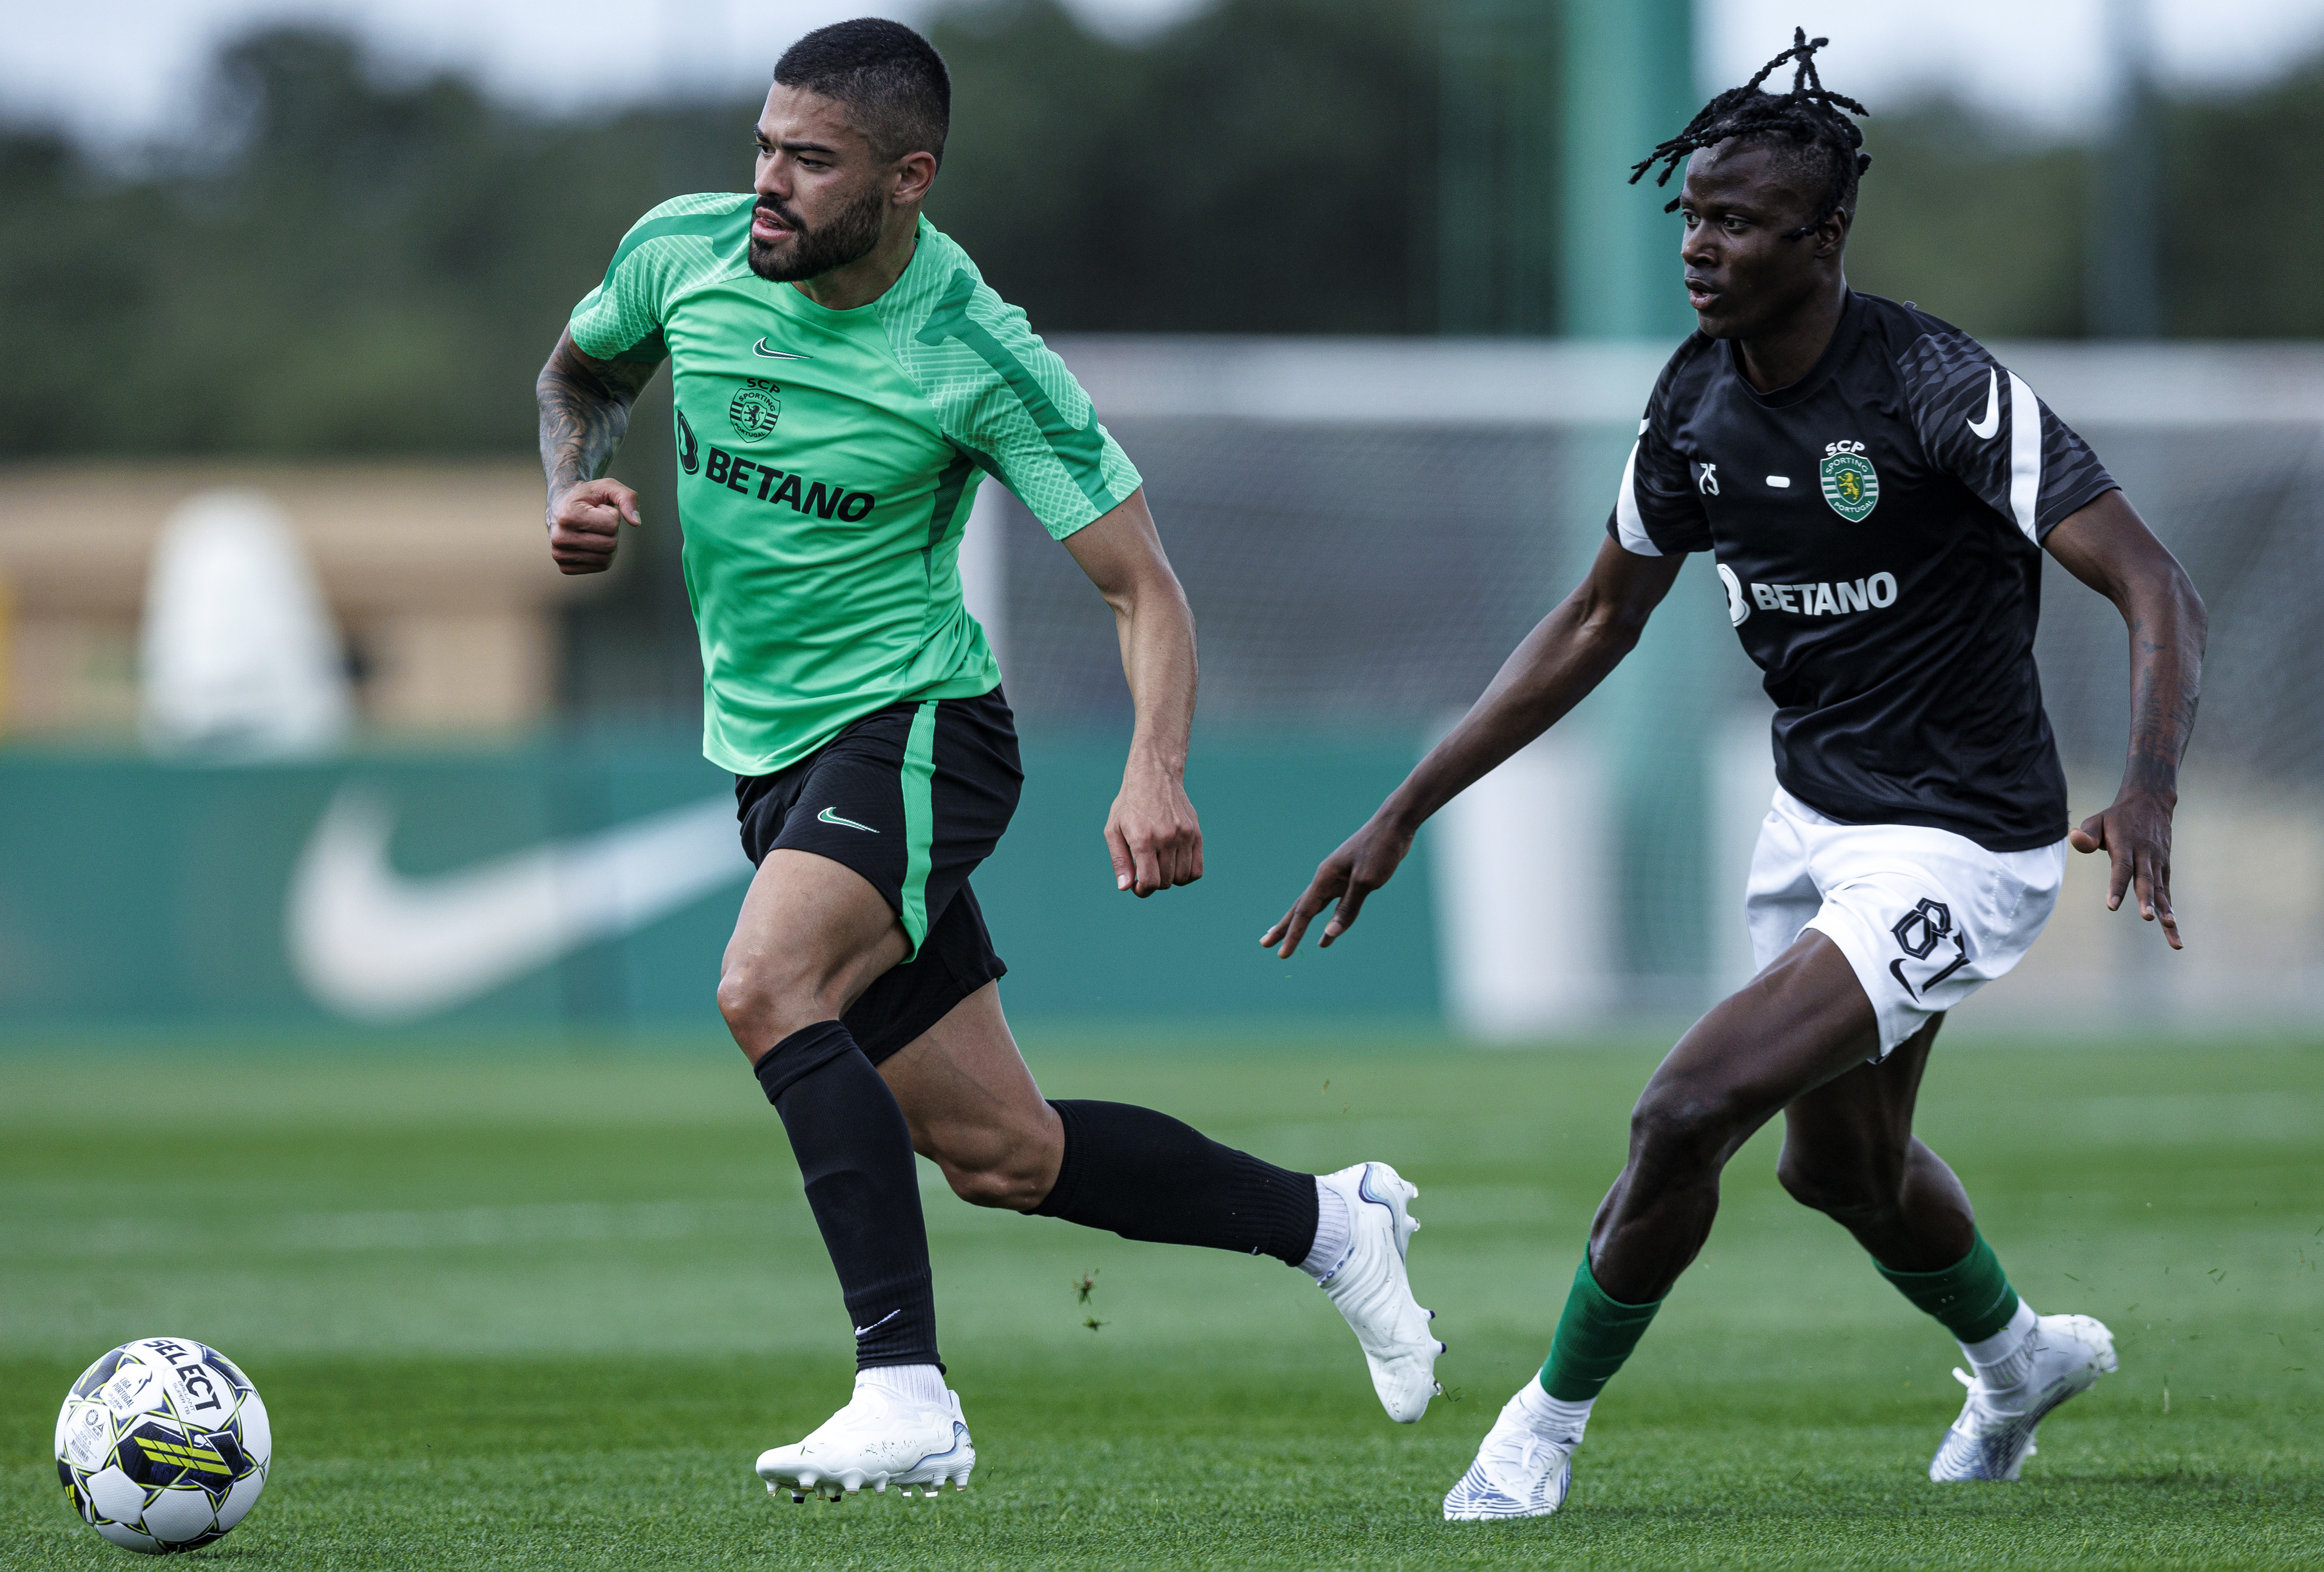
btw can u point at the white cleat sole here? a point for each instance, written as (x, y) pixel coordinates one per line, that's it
(839, 1490)
(931, 1475)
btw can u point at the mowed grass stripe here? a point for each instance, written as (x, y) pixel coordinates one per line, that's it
(553, 1332)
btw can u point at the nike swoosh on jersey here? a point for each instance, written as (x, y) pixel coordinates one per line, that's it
(371, 943)
(761, 348)
(831, 815)
(1984, 428)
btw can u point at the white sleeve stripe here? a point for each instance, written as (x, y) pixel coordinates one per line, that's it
(2024, 453)
(1628, 522)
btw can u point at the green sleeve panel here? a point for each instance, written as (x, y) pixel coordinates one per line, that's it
(685, 240)
(1002, 394)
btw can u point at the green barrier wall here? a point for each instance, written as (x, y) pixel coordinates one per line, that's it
(1271, 810)
(150, 895)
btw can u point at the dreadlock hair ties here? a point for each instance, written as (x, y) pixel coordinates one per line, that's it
(1810, 116)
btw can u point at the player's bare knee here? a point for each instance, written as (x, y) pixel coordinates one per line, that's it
(1823, 1188)
(762, 1004)
(742, 1002)
(1851, 1194)
(1676, 1125)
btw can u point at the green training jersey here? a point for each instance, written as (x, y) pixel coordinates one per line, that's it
(827, 462)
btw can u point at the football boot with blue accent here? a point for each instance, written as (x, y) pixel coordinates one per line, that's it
(1517, 1473)
(1372, 1290)
(1995, 1433)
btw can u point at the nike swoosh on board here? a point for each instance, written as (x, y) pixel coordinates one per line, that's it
(761, 348)
(1984, 428)
(370, 943)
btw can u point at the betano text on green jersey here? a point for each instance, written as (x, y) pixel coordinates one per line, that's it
(828, 462)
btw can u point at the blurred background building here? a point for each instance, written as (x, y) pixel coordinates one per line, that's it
(1361, 285)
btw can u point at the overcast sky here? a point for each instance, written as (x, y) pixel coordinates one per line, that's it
(123, 71)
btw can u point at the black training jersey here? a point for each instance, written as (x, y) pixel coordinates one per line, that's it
(1878, 525)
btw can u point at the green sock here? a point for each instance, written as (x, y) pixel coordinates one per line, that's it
(1594, 1336)
(1972, 1296)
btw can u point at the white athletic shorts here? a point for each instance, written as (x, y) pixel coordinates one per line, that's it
(1926, 917)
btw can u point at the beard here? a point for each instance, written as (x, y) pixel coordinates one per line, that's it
(809, 253)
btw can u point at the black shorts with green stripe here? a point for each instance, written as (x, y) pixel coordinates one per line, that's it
(911, 797)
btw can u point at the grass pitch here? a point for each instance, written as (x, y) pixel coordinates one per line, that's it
(539, 1308)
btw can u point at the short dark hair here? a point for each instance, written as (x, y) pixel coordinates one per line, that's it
(1804, 128)
(891, 80)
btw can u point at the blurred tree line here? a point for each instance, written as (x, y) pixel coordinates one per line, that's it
(338, 259)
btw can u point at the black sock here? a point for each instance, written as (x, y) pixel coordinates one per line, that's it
(1146, 1176)
(856, 1153)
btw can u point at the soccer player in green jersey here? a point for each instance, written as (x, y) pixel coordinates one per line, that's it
(843, 379)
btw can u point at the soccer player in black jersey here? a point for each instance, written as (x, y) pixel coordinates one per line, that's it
(1877, 492)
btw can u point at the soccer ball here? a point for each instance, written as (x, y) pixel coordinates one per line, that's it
(163, 1444)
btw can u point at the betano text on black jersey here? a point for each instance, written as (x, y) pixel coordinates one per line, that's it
(1877, 526)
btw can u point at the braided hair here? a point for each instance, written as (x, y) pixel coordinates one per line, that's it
(1805, 124)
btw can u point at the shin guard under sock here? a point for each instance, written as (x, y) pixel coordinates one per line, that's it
(856, 1153)
(1972, 1296)
(1594, 1336)
(1146, 1176)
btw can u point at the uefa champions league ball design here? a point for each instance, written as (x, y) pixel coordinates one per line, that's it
(163, 1445)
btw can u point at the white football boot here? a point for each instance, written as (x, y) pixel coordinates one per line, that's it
(1372, 1291)
(879, 1441)
(1517, 1473)
(1995, 1433)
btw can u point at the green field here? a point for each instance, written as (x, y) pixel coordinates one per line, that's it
(542, 1307)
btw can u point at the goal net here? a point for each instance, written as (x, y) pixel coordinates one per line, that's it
(1366, 528)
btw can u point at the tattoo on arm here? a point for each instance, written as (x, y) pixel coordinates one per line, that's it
(2165, 686)
(2109, 547)
(584, 408)
(2162, 720)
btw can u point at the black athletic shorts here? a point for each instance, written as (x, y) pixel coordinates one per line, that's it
(912, 796)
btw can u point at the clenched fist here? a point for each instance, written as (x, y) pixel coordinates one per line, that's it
(584, 522)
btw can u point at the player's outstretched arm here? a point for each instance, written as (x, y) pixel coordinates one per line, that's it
(1151, 832)
(584, 408)
(1565, 656)
(2109, 547)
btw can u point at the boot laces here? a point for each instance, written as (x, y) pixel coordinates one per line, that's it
(1525, 1455)
(1985, 1413)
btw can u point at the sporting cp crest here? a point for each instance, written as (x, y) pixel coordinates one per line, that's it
(755, 409)
(1850, 484)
